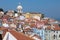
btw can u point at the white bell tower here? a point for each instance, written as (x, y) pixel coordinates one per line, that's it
(19, 8)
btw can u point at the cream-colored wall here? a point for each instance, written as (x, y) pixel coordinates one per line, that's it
(29, 15)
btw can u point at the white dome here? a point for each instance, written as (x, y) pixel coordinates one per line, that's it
(19, 7)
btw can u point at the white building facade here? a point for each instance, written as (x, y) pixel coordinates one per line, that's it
(52, 34)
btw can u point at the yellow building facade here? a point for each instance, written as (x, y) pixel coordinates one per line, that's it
(33, 15)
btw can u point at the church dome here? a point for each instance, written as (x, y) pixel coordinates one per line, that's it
(19, 7)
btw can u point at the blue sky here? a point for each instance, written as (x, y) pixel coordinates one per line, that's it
(51, 8)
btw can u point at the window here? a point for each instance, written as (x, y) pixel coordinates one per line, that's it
(46, 31)
(54, 36)
(59, 25)
(56, 31)
(0, 36)
(59, 35)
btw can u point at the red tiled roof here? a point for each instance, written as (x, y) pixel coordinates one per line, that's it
(19, 36)
(54, 28)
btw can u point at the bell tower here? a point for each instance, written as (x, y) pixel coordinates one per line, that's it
(19, 8)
